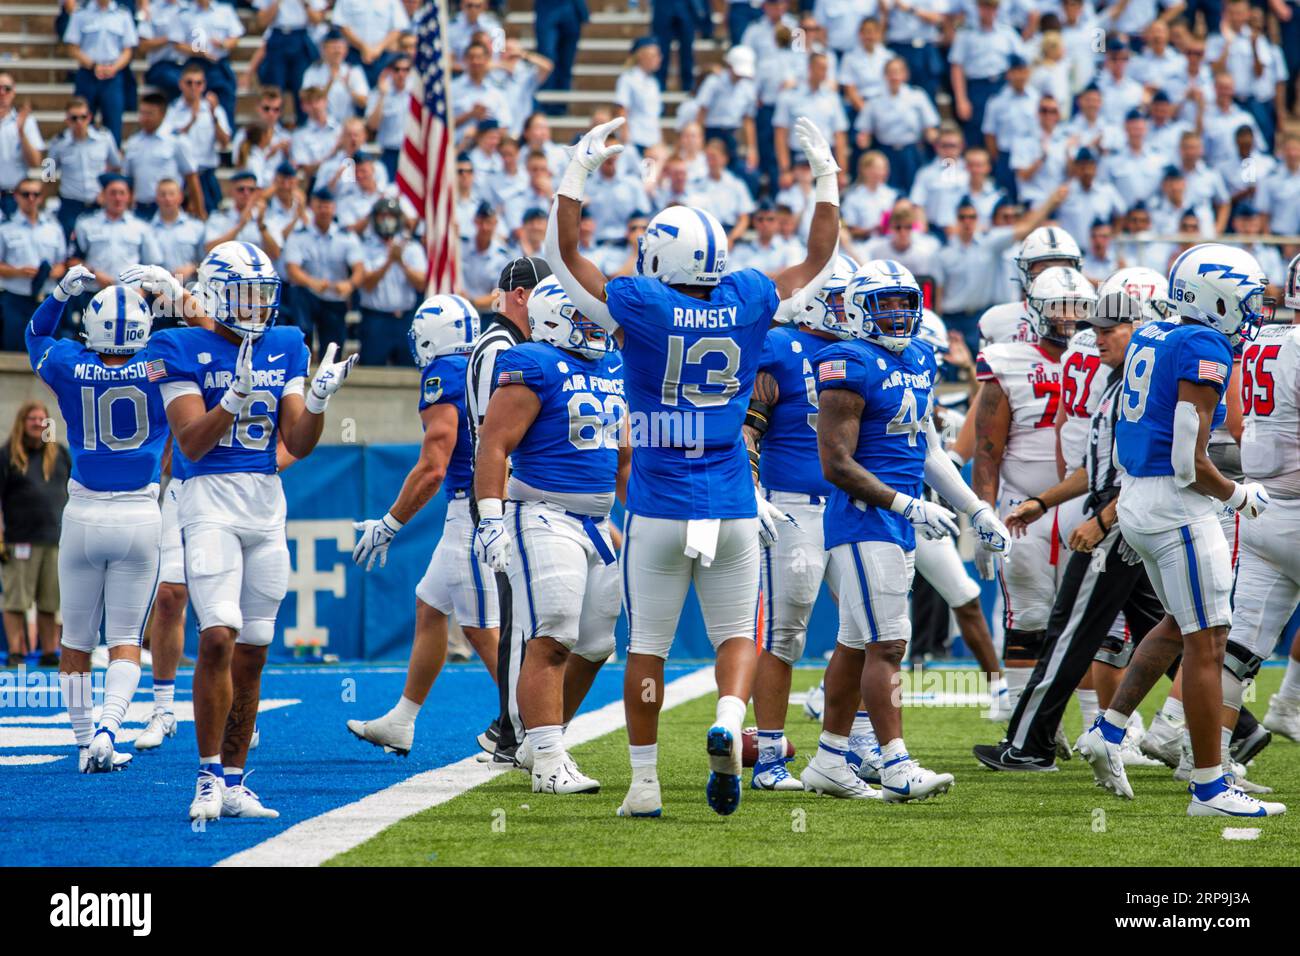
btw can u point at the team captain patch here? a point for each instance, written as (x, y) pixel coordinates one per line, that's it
(1212, 371)
(827, 371)
(432, 389)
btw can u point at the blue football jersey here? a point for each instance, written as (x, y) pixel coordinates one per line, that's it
(117, 424)
(898, 389)
(207, 359)
(1160, 355)
(789, 459)
(690, 371)
(443, 383)
(572, 445)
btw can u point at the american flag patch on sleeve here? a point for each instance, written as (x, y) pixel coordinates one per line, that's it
(828, 371)
(515, 377)
(1211, 371)
(155, 369)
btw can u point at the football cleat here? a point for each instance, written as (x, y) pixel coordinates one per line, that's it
(1247, 748)
(1183, 772)
(487, 740)
(208, 789)
(841, 782)
(1163, 741)
(103, 758)
(1003, 756)
(161, 726)
(559, 774)
(643, 799)
(864, 757)
(815, 702)
(906, 780)
(1131, 748)
(1062, 743)
(1236, 775)
(504, 756)
(1106, 761)
(773, 776)
(723, 789)
(1283, 717)
(395, 738)
(239, 801)
(1000, 706)
(524, 755)
(120, 760)
(1233, 802)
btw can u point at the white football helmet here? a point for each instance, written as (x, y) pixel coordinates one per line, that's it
(826, 312)
(239, 287)
(1291, 295)
(443, 325)
(935, 331)
(1059, 299)
(1046, 245)
(555, 319)
(683, 245)
(1222, 287)
(1145, 285)
(875, 281)
(117, 321)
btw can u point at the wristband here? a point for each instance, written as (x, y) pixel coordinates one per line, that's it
(1042, 504)
(490, 508)
(574, 181)
(1238, 496)
(1101, 524)
(901, 503)
(826, 188)
(315, 404)
(233, 402)
(393, 524)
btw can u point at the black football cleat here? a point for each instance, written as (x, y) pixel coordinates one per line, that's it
(1003, 756)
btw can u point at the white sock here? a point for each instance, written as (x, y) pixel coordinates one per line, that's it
(892, 751)
(1087, 706)
(644, 757)
(771, 745)
(1116, 719)
(828, 743)
(1016, 678)
(547, 741)
(164, 694)
(1225, 745)
(862, 724)
(78, 698)
(730, 713)
(1204, 775)
(404, 711)
(1173, 711)
(120, 682)
(1290, 689)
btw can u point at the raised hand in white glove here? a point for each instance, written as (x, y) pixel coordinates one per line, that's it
(586, 156)
(376, 535)
(810, 139)
(153, 279)
(1249, 499)
(769, 520)
(992, 533)
(241, 386)
(73, 283)
(329, 378)
(491, 543)
(931, 521)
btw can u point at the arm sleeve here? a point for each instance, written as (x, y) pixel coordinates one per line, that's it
(590, 306)
(46, 317)
(942, 475)
(787, 309)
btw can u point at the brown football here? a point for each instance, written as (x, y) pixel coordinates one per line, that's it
(749, 750)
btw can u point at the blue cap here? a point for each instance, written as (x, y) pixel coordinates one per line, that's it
(484, 125)
(1139, 206)
(286, 168)
(1171, 172)
(642, 42)
(324, 194)
(1134, 114)
(484, 209)
(1098, 222)
(1161, 96)
(965, 202)
(1114, 44)
(1085, 155)
(241, 174)
(534, 212)
(361, 156)
(1245, 209)
(1015, 61)
(1090, 88)
(107, 179)
(464, 158)
(334, 33)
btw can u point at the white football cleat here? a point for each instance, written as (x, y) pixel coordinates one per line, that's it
(103, 758)
(1183, 772)
(1283, 718)
(1131, 748)
(1106, 761)
(774, 776)
(841, 782)
(1062, 743)
(643, 799)
(120, 760)
(1163, 741)
(395, 738)
(864, 757)
(559, 774)
(1236, 774)
(162, 725)
(524, 754)
(208, 790)
(815, 702)
(907, 780)
(1233, 802)
(239, 801)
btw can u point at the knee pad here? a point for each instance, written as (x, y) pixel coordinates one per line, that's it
(1024, 645)
(223, 614)
(1115, 651)
(1232, 685)
(1240, 661)
(595, 651)
(258, 633)
(787, 644)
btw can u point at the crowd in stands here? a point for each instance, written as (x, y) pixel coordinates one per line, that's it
(958, 125)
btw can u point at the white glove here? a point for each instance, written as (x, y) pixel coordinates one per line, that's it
(992, 533)
(931, 521)
(72, 283)
(986, 564)
(587, 156)
(769, 519)
(241, 386)
(491, 543)
(154, 279)
(376, 534)
(820, 158)
(1249, 500)
(1126, 552)
(328, 379)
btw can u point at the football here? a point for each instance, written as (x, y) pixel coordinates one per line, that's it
(749, 750)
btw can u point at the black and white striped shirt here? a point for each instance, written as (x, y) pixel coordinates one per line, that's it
(1103, 471)
(480, 373)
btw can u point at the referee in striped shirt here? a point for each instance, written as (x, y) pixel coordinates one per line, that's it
(509, 329)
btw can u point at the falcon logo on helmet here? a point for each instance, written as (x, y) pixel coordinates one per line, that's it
(1222, 287)
(443, 325)
(1145, 285)
(239, 288)
(883, 301)
(117, 321)
(1046, 246)
(683, 245)
(555, 319)
(1059, 299)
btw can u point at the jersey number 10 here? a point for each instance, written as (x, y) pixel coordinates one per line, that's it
(97, 418)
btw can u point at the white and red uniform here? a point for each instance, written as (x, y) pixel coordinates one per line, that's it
(1031, 380)
(1083, 380)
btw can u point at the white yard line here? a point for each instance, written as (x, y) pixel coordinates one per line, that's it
(314, 841)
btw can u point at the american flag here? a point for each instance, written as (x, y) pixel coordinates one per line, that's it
(829, 371)
(1212, 371)
(424, 171)
(155, 369)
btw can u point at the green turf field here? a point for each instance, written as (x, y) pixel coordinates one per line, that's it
(986, 819)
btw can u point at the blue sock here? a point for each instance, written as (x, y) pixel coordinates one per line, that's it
(1205, 791)
(1113, 734)
(234, 776)
(213, 768)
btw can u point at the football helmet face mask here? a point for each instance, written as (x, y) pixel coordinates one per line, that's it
(117, 321)
(239, 288)
(883, 301)
(1045, 247)
(935, 332)
(1291, 295)
(554, 318)
(1145, 285)
(443, 325)
(683, 245)
(1059, 299)
(1222, 287)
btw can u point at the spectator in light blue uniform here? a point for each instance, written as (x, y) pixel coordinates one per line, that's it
(101, 37)
(32, 253)
(80, 154)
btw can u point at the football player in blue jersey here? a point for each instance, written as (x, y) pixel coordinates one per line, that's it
(692, 342)
(781, 435)
(1175, 376)
(230, 393)
(442, 336)
(879, 448)
(108, 545)
(557, 412)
